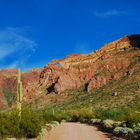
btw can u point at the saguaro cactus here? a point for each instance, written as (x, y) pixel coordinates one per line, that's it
(19, 90)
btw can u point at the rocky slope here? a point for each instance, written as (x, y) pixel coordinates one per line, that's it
(111, 62)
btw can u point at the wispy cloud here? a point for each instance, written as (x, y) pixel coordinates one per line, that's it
(109, 13)
(14, 64)
(82, 48)
(15, 47)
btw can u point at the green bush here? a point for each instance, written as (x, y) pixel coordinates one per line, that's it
(80, 115)
(50, 116)
(67, 117)
(113, 114)
(55, 123)
(123, 131)
(118, 123)
(132, 119)
(9, 124)
(74, 118)
(42, 133)
(49, 127)
(29, 125)
(95, 121)
(109, 124)
(137, 132)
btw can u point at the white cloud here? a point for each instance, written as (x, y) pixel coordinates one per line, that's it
(5, 51)
(13, 65)
(110, 13)
(82, 48)
(15, 47)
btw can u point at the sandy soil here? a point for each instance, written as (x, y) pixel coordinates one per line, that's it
(75, 131)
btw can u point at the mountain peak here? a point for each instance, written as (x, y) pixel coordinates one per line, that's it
(123, 43)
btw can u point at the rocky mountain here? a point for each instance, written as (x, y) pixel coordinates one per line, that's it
(111, 62)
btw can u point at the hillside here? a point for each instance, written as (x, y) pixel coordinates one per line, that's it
(120, 94)
(111, 74)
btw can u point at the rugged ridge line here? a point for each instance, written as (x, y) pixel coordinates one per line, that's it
(111, 62)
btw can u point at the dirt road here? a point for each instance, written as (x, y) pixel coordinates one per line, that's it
(75, 131)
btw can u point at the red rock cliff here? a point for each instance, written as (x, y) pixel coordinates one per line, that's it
(92, 71)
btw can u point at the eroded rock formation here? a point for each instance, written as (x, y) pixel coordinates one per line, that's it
(92, 71)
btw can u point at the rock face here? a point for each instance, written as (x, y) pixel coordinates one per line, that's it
(92, 71)
(8, 82)
(7, 86)
(111, 62)
(30, 83)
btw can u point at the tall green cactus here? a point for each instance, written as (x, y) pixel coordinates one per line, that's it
(19, 90)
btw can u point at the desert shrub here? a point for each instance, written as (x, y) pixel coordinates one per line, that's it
(118, 123)
(67, 117)
(75, 118)
(85, 118)
(55, 123)
(49, 127)
(109, 124)
(30, 124)
(137, 132)
(50, 116)
(71, 115)
(110, 114)
(86, 115)
(132, 119)
(81, 115)
(42, 133)
(113, 114)
(95, 121)
(123, 131)
(99, 114)
(11, 125)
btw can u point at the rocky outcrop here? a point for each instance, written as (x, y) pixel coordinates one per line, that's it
(30, 83)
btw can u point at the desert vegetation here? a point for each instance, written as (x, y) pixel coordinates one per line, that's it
(32, 122)
(121, 123)
(109, 108)
(29, 125)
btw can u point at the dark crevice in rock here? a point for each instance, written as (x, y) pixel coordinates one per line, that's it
(51, 88)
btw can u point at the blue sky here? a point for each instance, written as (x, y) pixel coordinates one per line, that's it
(34, 32)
